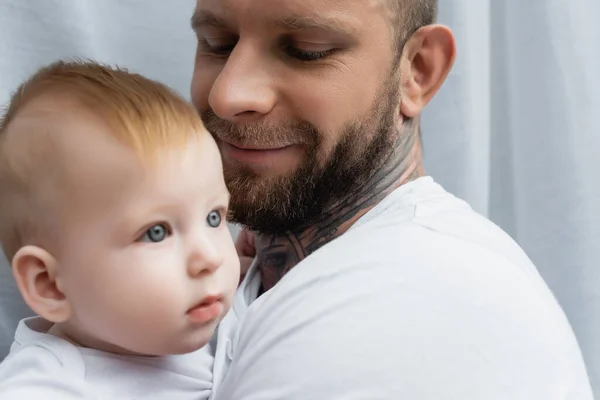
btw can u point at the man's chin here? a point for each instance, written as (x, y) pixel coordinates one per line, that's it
(263, 180)
(257, 175)
(266, 205)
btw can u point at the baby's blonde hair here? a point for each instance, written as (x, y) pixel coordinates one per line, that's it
(144, 115)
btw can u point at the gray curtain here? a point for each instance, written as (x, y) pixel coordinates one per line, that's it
(516, 132)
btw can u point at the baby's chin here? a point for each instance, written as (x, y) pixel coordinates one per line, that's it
(180, 348)
(184, 344)
(175, 345)
(186, 347)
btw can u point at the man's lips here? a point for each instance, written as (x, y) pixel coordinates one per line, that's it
(258, 147)
(209, 309)
(261, 155)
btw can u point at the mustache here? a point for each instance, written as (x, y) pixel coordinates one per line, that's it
(260, 133)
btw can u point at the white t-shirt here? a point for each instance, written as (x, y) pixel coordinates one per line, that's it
(423, 299)
(42, 366)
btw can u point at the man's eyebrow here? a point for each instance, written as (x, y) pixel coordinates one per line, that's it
(202, 18)
(338, 25)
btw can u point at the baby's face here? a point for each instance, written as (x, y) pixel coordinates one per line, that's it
(145, 256)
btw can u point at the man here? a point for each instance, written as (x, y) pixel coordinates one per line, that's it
(370, 281)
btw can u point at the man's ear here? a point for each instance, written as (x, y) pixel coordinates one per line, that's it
(427, 59)
(35, 271)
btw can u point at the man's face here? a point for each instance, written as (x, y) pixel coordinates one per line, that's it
(302, 99)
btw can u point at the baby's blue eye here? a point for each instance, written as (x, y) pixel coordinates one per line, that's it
(156, 233)
(214, 219)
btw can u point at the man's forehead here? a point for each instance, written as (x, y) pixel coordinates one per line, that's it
(338, 12)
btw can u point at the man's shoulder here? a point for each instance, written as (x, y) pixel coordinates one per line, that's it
(463, 264)
(433, 231)
(395, 307)
(423, 298)
(439, 262)
(443, 260)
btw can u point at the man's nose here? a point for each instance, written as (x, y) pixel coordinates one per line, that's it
(244, 90)
(204, 256)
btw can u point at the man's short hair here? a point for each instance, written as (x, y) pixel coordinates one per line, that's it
(408, 16)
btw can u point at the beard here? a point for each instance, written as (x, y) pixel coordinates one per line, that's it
(276, 205)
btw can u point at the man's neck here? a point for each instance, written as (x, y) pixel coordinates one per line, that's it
(276, 255)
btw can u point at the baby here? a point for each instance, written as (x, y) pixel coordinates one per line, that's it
(112, 210)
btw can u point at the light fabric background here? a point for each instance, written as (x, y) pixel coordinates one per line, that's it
(514, 131)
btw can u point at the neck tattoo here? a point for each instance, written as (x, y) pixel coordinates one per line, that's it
(278, 254)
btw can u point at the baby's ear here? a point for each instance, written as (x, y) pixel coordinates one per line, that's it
(35, 271)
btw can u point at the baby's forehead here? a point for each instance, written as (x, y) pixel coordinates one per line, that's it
(44, 118)
(56, 136)
(49, 135)
(70, 131)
